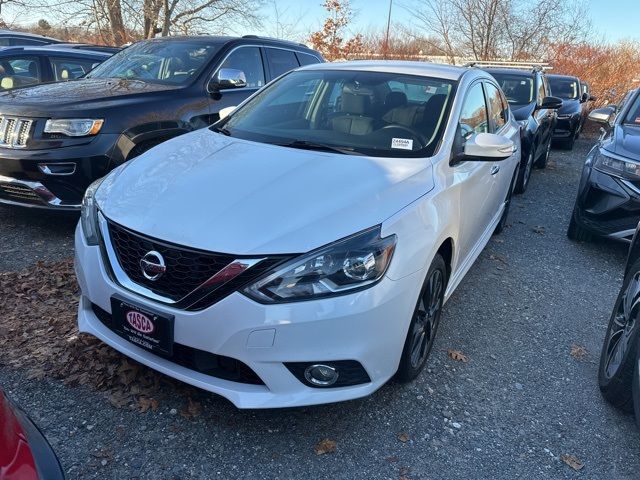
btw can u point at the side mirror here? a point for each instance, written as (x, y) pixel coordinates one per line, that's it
(584, 97)
(487, 147)
(551, 103)
(225, 112)
(602, 115)
(227, 78)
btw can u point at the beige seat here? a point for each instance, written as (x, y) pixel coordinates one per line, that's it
(353, 119)
(400, 112)
(7, 83)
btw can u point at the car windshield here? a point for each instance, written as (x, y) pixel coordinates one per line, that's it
(170, 62)
(517, 88)
(564, 88)
(633, 117)
(369, 113)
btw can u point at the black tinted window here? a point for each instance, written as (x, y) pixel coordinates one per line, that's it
(249, 60)
(281, 61)
(19, 71)
(306, 59)
(519, 89)
(69, 69)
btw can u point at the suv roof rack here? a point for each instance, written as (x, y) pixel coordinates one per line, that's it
(534, 66)
(275, 40)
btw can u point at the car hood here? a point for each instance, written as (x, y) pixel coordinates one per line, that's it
(569, 107)
(222, 194)
(625, 141)
(522, 112)
(86, 94)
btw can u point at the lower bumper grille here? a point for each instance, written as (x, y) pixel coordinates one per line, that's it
(219, 366)
(19, 193)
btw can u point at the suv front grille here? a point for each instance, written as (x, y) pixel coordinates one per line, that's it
(187, 269)
(15, 132)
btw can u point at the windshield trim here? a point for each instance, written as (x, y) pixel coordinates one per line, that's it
(434, 146)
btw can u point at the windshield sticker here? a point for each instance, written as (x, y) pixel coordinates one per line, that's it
(430, 89)
(402, 143)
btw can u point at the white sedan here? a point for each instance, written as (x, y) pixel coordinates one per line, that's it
(300, 250)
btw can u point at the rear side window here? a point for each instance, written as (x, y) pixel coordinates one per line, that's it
(249, 60)
(281, 61)
(28, 41)
(306, 59)
(473, 118)
(498, 110)
(19, 72)
(65, 69)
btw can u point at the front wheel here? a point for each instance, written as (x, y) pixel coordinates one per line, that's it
(544, 160)
(424, 323)
(620, 347)
(525, 173)
(577, 233)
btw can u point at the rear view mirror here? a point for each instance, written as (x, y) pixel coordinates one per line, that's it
(488, 147)
(602, 115)
(225, 112)
(227, 78)
(552, 103)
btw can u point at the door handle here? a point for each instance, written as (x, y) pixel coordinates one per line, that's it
(495, 169)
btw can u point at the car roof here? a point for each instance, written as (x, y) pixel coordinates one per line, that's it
(52, 50)
(558, 76)
(13, 33)
(524, 72)
(223, 39)
(446, 72)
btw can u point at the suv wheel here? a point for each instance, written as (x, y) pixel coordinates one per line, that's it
(424, 324)
(576, 232)
(544, 160)
(524, 174)
(617, 359)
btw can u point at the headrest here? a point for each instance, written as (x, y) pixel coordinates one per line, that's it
(64, 74)
(354, 104)
(7, 83)
(395, 99)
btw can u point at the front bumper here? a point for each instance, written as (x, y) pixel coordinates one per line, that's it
(369, 327)
(566, 128)
(54, 178)
(606, 205)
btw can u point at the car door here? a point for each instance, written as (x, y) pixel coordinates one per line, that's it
(544, 116)
(502, 171)
(474, 180)
(248, 59)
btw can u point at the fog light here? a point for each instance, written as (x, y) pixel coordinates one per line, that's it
(321, 375)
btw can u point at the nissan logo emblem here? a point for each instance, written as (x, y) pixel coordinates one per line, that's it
(152, 265)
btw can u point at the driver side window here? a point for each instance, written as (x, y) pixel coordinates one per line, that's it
(249, 60)
(473, 118)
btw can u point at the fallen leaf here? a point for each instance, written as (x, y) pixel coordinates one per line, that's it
(572, 461)
(457, 355)
(325, 446)
(392, 459)
(403, 437)
(192, 410)
(539, 229)
(578, 351)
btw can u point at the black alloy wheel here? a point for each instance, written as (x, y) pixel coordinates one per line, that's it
(618, 356)
(424, 323)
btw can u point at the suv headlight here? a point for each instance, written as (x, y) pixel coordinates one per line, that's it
(617, 166)
(73, 127)
(347, 265)
(89, 214)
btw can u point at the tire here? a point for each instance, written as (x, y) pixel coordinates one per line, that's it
(507, 204)
(577, 233)
(636, 389)
(544, 160)
(524, 174)
(620, 346)
(424, 323)
(568, 144)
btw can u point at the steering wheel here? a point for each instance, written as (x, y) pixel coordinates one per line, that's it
(414, 133)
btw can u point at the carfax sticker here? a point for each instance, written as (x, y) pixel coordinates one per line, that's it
(402, 143)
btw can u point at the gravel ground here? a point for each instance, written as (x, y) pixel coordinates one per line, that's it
(519, 403)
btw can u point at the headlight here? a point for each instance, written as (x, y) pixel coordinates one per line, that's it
(617, 166)
(73, 127)
(347, 265)
(89, 214)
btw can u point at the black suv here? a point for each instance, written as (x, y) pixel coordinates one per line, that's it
(608, 201)
(56, 139)
(528, 93)
(573, 113)
(9, 38)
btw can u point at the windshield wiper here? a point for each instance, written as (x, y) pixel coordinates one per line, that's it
(221, 130)
(306, 145)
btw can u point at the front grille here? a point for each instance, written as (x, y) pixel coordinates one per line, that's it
(19, 193)
(218, 366)
(187, 269)
(14, 132)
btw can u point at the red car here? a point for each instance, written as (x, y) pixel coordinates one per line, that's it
(24, 452)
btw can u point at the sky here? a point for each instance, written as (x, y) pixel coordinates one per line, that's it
(613, 20)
